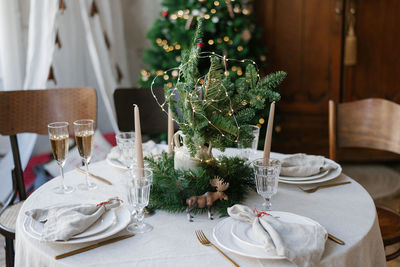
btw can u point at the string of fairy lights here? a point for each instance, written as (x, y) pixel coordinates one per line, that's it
(197, 96)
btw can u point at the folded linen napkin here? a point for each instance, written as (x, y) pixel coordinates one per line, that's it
(302, 165)
(299, 243)
(63, 222)
(149, 147)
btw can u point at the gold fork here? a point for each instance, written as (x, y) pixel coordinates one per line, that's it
(204, 241)
(312, 190)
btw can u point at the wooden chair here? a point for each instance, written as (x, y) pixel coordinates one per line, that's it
(153, 120)
(30, 111)
(370, 123)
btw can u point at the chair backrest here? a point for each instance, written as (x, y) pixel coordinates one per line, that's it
(153, 120)
(30, 111)
(370, 123)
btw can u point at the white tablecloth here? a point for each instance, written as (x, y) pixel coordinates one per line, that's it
(347, 212)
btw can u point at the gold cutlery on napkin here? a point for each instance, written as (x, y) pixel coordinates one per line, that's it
(335, 239)
(312, 190)
(204, 241)
(102, 243)
(94, 176)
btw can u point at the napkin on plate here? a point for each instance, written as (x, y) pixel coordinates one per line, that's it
(302, 165)
(63, 222)
(301, 244)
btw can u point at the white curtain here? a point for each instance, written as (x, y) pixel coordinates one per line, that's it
(81, 58)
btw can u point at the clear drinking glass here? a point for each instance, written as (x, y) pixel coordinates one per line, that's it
(139, 191)
(126, 144)
(248, 149)
(267, 179)
(84, 137)
(256, 134)
(59, 135)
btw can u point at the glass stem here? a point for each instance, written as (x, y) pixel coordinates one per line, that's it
(62, 177)
(140, 217)
(87, 171)
(268, 203)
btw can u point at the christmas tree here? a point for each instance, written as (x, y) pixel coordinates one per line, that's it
(214, 109)
(229, 29)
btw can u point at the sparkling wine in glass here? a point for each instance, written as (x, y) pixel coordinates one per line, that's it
(84, 137)
(58, 136)
(266, 177)
(139, 191)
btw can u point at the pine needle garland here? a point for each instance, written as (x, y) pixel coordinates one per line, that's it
(171, 187)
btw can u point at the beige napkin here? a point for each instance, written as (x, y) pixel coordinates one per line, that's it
(299, 243)
(63, 222)
(302, 165)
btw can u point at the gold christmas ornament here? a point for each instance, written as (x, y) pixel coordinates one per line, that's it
(166, 77)
(258, 125)
(261, 120)
(169, 84)
(216, 3)
(237, 9)
(177, 47)
(159, 72)
(226, 38)
(213, 11)
(226, 73)
(210, 42)
(206, 16)
(263, 58)
(244, 102)
(240, 48)
(246, 35)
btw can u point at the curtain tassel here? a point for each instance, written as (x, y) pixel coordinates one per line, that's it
(350, 47)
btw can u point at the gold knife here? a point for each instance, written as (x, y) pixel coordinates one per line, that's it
(94, 176)
(335, 239)
(102, 243)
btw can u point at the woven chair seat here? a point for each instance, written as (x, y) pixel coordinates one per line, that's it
(9, 216)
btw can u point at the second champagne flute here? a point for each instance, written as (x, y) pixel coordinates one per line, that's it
(84, 133)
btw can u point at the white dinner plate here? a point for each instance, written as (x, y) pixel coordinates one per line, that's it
(312, 177)
(123, 218)
(332, 174)
(102, 224)
(236, 236)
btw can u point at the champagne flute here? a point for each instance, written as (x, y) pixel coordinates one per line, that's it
(84, 133)
(266, 177)
(58, 136)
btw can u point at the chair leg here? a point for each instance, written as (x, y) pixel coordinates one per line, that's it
(9, 252)
(393, 255)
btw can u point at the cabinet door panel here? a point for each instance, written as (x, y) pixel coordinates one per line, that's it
(377, 71)
(304, 39)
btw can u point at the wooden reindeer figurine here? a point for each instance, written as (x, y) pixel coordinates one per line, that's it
(208, 198)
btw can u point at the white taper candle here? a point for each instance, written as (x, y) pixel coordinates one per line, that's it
(170, 132)
(138, 140)
(268, 135)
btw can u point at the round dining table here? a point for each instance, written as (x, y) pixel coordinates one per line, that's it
(347, 212)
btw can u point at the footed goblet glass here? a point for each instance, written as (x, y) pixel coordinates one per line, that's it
(266, 177)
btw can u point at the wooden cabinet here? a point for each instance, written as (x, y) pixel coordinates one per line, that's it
(306, 38)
